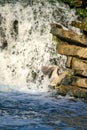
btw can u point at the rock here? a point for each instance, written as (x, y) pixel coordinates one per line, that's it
(80, 5)
(82, 26)
(74, 81)
(72, 50)
(80, 82)
(69, 36)
(69, 61)
(79, 66)
(75, 3)
(74, 90)
(80, 93)
(74, 46)
(68, 80)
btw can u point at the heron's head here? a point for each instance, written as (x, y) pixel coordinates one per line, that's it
(48, 70)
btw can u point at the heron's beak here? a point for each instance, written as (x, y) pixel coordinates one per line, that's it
(47, 70)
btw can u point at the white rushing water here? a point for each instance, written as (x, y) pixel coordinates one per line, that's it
(26, 42)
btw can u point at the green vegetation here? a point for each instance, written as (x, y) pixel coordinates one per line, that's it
(82, 12)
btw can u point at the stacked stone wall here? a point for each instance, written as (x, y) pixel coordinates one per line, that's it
(74, 46)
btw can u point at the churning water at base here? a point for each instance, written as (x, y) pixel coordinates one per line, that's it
(21, 111)
(26, 45)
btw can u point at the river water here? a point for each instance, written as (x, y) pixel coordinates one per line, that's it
(26, 102)
(43, 111)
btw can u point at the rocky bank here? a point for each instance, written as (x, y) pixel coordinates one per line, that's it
(74, 46)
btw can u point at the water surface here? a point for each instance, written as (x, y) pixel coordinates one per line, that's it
(43, 111)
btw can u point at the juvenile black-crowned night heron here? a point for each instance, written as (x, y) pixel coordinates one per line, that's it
(53, 73)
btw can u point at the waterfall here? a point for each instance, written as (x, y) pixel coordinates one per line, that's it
(26, 42)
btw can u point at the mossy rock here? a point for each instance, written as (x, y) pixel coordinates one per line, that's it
(68, 36)
(56, 39)
(82, 26)
(74, 90)
(73, 3)
(80, 93)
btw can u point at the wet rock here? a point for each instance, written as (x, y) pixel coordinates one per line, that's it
(80, 5)
(74, 46)
(74, 90)
(80, 93)
(76, 3)
(82, 26)
(69, 36)
(79, 66)
(80, 82)
(72, 50)
(68, 80)
(69, 62)
(74, 81)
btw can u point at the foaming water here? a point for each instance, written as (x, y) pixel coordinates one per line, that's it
(26, 42)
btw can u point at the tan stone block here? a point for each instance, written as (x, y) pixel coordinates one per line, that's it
(68, 35)
(80, 82)
(79, 66)
(69, 61)
(72, 50)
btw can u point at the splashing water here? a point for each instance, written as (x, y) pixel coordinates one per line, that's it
(26, 42)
